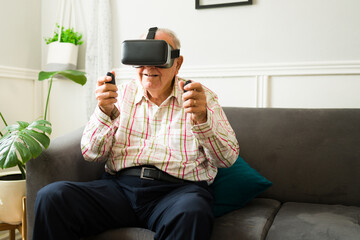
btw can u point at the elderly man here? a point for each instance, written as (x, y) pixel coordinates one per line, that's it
(162, 143)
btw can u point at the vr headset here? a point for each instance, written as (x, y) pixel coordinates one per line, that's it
(148, 52)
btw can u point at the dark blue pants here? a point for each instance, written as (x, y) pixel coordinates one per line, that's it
(72, 210)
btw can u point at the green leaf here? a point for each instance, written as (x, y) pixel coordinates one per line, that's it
(4, 142)
(24, 141)
(22, 124)
(5, 147)
(9, 159)
(40, 137)
(12, 128)
(41, 125)
(40, 122)
(74, 75)
(68, 35)
(24, 152)
(42, 128)
(33, 145)
(45, 75)
(17, 127)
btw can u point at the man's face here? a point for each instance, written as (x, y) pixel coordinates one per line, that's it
(158, 81)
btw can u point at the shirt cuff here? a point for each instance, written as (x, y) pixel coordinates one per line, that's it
(102, 117)
(204, 130)
(114, 113)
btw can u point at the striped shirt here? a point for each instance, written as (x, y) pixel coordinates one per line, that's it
(142, 133)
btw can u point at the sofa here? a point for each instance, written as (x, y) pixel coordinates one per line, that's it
(312, 157)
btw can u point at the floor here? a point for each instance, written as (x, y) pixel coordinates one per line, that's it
(4, 235)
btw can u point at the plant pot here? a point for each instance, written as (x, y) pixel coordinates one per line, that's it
(62, 56)
(13, 188)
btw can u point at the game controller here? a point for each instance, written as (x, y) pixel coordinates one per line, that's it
(112, 78)
(186, 83)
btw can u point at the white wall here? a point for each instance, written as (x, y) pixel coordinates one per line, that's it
(20, 58)
(277, 53)
(277, 31)
(20, 34)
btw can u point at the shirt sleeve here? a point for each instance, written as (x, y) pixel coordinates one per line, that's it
(98, 136)
(216, 135)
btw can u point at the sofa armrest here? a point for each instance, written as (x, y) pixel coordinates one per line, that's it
(63, 160)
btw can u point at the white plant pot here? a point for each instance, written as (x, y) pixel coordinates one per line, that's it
(11, 193)
(62, 56)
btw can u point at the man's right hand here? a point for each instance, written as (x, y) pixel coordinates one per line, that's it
(106, 94)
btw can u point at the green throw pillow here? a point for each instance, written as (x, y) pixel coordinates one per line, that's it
(235, 186)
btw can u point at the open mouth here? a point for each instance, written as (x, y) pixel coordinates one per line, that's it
(150, 75)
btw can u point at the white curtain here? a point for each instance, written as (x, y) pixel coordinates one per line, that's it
(99, 49)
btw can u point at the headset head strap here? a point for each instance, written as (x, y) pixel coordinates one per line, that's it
(151, 33)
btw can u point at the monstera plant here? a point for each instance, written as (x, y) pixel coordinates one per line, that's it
(23, 141)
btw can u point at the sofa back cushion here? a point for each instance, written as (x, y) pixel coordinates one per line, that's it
(310, 155)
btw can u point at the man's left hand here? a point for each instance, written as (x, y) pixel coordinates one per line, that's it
(194, 101)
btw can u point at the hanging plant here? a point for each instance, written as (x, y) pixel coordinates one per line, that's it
(63, 49)
(66, 35)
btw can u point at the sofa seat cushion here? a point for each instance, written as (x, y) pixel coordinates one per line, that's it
(248, 223)
(251, 222)
(297, 221)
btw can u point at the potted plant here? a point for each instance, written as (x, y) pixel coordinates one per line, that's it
(63, 49)
(20, 143)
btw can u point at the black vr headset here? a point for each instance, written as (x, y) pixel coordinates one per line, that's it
(148, 52)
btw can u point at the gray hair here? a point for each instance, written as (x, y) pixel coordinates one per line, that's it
(170, 33)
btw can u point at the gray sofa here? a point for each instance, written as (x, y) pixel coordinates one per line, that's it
(312, 156)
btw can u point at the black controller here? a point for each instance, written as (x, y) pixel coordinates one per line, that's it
(112, 78)
(186, 83)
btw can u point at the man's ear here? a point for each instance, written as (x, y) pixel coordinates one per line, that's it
(179, 63)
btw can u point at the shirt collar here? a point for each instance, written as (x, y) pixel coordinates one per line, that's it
(140, 94)
(176, 92)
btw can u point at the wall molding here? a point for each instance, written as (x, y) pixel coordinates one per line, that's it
(261, 73)
(278, 69)
(18, 73)
(262, 91)
(285, 69)
(215, 71)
